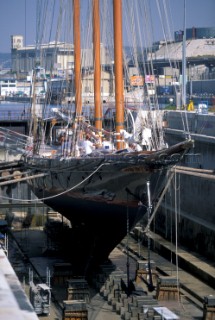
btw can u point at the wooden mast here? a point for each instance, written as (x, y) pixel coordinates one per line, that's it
(97, 66)
(118, 63)
(77, 57)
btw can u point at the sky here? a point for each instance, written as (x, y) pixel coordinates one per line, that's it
(18, 17)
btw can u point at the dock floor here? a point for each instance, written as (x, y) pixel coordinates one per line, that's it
(33, 242)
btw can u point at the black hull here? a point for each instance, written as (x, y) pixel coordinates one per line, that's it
(96, 229)
(102, 197)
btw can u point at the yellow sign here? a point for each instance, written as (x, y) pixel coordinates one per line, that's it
(136, 81)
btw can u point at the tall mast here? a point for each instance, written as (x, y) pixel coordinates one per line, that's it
(184, 81)
(118, 63)
(77, 57)
(97, 65)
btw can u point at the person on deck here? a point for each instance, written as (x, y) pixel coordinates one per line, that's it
(135, 147)
(87, 146)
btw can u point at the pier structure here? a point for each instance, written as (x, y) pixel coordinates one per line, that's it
(14, 303)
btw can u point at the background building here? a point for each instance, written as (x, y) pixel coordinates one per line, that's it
(55, 57)
(195, 33)
(200, 57)
(57, 60)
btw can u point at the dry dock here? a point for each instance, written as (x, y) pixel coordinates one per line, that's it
(26, 249)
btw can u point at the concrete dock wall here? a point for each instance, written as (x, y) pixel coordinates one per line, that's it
(192, 196)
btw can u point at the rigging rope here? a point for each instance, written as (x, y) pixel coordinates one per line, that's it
(60, 193)
(176, 235)
(183, 114)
